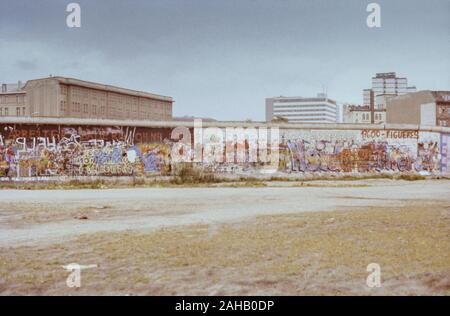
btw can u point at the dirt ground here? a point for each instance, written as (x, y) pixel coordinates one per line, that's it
(284, 238)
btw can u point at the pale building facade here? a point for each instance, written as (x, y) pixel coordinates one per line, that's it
(356, 114)
(68, 97)
(13, 100)
(387, 83)
(318, 109)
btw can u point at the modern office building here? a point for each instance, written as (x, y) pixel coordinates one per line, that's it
(73, 98)
(318, 109)
(373, 110)
(387, 83)
(422, 107)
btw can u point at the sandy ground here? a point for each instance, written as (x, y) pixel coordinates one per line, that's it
(38, 216)
(286, 238)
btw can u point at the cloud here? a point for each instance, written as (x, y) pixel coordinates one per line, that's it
(223, 58)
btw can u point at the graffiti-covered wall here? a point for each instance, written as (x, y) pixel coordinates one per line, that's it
(362, 150)
(36, 151)
(46, 150)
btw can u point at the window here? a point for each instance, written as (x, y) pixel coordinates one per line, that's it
(1, 111)
(23, 111)
(17, 111)
(6, 111)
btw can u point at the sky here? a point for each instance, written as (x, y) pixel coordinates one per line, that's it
(222, 58)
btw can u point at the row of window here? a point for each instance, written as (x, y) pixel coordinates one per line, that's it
(4, 99)
(20, 111)
(115, 111)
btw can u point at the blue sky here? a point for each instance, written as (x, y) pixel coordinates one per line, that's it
(222, 58)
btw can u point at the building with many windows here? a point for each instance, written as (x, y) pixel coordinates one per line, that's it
(318, 109)
(385, 86)
(386, 83)
(68, 97)
(12, 100)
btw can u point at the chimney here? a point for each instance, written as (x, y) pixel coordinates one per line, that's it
(4, 90)
(19, 85)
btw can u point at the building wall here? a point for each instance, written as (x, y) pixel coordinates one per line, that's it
(88, 148)
(405, 109)
(307, 110)
(13, 104)
(445, 153)
(66, 97)
(442, 107)
(269, 110)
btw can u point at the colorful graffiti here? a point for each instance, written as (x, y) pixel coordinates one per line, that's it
(351, 156)
(81, 151)
(363, 151)
(445, 153)
(44, 151)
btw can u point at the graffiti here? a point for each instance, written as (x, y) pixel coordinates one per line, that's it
(368, 151)
(55, 151)
(79, 151)
(445, 152)
(395, 134)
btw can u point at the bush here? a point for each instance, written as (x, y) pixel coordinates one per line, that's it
(411, 177)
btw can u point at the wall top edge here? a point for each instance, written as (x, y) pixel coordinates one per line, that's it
(221, 124)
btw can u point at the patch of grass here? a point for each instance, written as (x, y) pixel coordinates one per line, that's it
(303, 253)
(190, 174)
(410, 177)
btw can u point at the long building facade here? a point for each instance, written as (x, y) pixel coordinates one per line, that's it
(73, 98)
(318, 109)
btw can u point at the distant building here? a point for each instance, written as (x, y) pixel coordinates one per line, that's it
(362, 114)
(387, 83)
(318, 109)
(12, 100)
(422, 107)
(384, 86)
(68, 97)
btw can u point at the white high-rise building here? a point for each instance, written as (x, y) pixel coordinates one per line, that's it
(318, 109)
(387, 83)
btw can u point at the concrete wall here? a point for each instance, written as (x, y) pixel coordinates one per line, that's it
(69, 147)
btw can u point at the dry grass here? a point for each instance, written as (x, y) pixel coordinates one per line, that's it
(190, 176)
(299, 254)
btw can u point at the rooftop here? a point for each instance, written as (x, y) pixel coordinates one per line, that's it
(99, 86)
